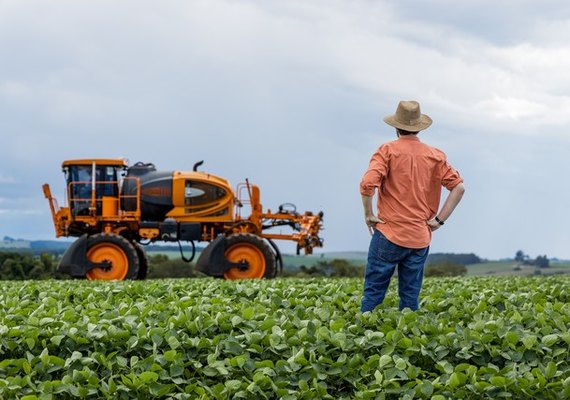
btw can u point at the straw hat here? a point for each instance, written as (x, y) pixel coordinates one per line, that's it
(409, 117)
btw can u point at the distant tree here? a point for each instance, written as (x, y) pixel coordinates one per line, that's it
(520, 256)
(45, 268)
(157, 258)
(20, 266)
(446, 268)
(461, 258)
(160, 266)
(12, 269)
(331, 268)
(542, 261)
(309, 271)
(339, 268)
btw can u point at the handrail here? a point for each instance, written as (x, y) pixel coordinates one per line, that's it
(240, 200)
(54, 208)
(94, 198)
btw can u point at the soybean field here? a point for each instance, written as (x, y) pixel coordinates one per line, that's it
(476, 337)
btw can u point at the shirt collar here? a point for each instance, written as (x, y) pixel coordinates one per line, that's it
(414, 138)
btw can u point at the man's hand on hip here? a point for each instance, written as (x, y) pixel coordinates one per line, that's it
(371, 221)
(433, 224)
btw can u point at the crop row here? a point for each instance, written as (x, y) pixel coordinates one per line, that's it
(284, 338)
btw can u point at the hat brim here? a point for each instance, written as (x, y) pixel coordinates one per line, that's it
(422, 124)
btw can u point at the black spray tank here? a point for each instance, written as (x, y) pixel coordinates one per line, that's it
(155, 191)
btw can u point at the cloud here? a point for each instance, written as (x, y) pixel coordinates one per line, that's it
(500, 23)
(6, 179)
(16, 213)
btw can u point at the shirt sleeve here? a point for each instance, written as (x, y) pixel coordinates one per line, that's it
(449, 176)
(377, 170)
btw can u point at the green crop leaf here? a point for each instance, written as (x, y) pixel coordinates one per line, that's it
(550, 370)
(445, 366)
(337, 325)
(148, 376)
(426, 388)
(454, 380)
(378, 377)
(498, 381)
(512, 337)
(550, 340)
(160, 390)
(529, 341)
(233, 385)
(173, 342)
(57, 339)
(385, 360)
(401, 364)
(26, 367)
(248, 313)
(170, 355)
(30, 342)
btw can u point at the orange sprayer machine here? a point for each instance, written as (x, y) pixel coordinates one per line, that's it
(115, 209)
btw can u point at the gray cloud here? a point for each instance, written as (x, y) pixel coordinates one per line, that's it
(502, 23)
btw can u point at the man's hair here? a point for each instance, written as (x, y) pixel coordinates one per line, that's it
(404, 133)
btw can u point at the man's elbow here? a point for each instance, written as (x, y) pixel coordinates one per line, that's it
(367, 189)
(459, 189)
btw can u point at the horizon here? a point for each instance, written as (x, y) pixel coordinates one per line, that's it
(316, 253)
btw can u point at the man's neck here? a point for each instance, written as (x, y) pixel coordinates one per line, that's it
(407, 135)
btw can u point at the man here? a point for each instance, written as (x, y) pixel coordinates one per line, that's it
(408, 175)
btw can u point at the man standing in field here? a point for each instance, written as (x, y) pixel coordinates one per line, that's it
(408, 175)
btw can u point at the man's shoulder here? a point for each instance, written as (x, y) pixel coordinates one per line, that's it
(433, 151)
(425, 148)
(411, 147)
(386, 146)
(390, 144)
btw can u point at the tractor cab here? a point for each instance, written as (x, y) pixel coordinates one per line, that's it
(92, 184)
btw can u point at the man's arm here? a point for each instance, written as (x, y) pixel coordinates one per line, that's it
(369, 218)
(372, 179)
(451, 202)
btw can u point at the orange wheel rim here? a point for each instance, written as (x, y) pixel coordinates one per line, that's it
(245, 252)
(113, 254)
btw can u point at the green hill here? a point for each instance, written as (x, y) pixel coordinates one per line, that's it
(511, 267)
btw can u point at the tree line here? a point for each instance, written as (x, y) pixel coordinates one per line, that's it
(27, 265)
(20, 266)
(539, 261)
(23, 265)
(458, 258)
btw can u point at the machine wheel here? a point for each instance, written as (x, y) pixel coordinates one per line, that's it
(143, 261)
(245, 247)
(116, 250)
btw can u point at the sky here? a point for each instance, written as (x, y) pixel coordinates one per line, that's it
(292, 96)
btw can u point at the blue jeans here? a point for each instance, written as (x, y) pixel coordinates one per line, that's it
(383, 257)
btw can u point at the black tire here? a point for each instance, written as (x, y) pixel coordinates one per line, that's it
(143, 261)
(118, 251)
(253, 250)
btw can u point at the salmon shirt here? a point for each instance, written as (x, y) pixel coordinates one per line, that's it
(409, 176)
